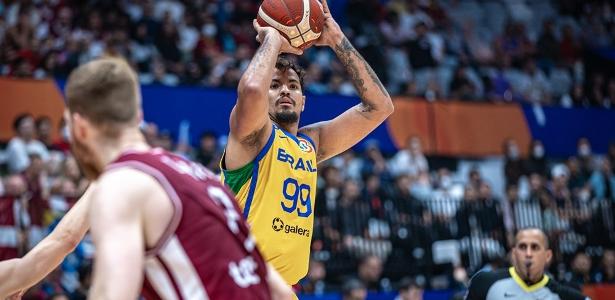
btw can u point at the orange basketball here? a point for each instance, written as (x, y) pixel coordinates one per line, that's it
(300, 21)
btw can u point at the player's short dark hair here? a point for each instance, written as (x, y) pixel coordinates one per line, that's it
(19, 119)
(283, 64)
(104, 91)
(544, 235)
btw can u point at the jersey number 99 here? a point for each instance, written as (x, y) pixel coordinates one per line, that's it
(298, 196)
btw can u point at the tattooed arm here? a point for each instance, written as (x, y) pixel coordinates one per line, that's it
(249, 121)
(337, 135)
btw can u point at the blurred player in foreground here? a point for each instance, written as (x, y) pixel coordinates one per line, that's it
(163, 227)
(271, 163)
(526, 279)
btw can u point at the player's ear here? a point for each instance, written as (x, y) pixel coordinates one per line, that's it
(303, 106)
(80, 126)
(549, 256)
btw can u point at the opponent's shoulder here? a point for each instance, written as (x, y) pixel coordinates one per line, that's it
(127, 183)
(565, 292)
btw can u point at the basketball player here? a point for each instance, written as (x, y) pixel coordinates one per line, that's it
(163, 227)
(526, 279)
(271, 163)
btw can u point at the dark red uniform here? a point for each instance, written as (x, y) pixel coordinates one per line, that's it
(207, 251)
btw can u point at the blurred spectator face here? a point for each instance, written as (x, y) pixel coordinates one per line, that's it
(354, 289)
(333, 177)
(538, 150)
(370, 269)
(605, 167)
(403, 183)
(413, 292)
(372, 183)
(43, 129)
(608, 259)
(469, 194)
(581, 264)
(584, 148)
(511, 149)
(414, 145)
(475, 178)
(351, 189)
(69, 190)
(317, 271)
(208, 143)
(36, 165)
(531, 254)
(151, 134)
(485, 191)
(15, 186)
(535, 182)
(560, 174)
(25, 128)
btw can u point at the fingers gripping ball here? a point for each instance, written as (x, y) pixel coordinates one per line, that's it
(300, 21)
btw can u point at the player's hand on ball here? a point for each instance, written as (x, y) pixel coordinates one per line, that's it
(332, 34)
(263, 31)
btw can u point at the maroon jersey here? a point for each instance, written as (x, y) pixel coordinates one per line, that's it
(207, 251)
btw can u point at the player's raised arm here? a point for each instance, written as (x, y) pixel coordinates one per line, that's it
(249, 121)
(22, 273)
(335, 136)
(118, 233)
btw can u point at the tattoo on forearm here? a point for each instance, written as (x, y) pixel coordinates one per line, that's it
(347, 54)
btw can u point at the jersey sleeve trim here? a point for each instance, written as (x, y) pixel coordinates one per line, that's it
(255, 167)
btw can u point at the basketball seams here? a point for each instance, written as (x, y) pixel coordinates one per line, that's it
(303, 33)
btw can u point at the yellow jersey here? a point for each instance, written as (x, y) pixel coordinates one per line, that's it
(276, 192)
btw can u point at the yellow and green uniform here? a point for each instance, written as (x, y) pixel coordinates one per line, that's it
(276, 192)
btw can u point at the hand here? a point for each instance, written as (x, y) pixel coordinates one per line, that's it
(332, 34)
(264, 31)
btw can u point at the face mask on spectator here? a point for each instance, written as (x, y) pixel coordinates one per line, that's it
(209, 30)
(513, 152)
(584, 150)
(539, 151)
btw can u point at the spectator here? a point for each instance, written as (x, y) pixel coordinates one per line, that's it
(461, 87)
(410, 289)
(537, 162)
(420, 49)
(410, 161)
(603, 181)
(580, 270)
(314, 283)
(43, 131)
(547, 46)
(370, 271)
(354, 289)
(584, 155)
(513, 165)
(606, 271)
(24, 143)
(11, 206)
(207, 153)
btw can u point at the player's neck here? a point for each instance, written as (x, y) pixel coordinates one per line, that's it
(128, 140)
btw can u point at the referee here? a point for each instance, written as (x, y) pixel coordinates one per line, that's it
(526, 279)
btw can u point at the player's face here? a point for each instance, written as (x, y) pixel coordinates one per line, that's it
(81, 146)
(530, 255)
(286, 100)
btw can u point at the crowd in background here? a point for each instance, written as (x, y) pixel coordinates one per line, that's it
(381, 220)
(490, 50)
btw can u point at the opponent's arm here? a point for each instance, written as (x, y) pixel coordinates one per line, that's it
(22, 273)
(117, 230)
(249, 118)
(335, 136)
(278, 287)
